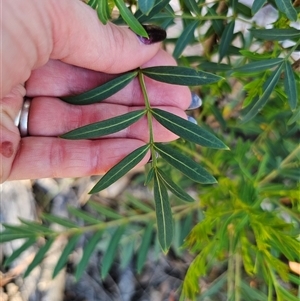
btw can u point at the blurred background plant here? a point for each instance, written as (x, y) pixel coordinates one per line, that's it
(240, 238)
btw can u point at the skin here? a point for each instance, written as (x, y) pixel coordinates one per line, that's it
(54, 48)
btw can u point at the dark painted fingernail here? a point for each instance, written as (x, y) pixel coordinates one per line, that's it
(192, 120)
(155, 33)
(196, 102)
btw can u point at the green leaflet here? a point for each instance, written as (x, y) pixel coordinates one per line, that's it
(290, 85)
(286, 7)
(59, 220)
(120, 169)
(217, 24)
(65, 254)
(259, 66)
(180, 75)
(173, 187)
(295, 117)
(184, 164)
(130, 19)
(9, 236)
(103, 11)
(127, 252)
(215, 67)
(105, 127)
(27, 244)
(268, 88)
(146, 6)
(192, 6)
(86, 217)
(187, 130)
(111, 250)
(39, 256)
(257, 5)
(276, 34)
(144, 247)
(185, 38)
(93, 3)
(87, 253)
(157, 7)
(103, 210)
(163, 215)
(226, 39)
(102, 92)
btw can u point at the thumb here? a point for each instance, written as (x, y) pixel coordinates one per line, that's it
(70, 31)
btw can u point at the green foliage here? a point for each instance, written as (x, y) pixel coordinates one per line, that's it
(249, 221)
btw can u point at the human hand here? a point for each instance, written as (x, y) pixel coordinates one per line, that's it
(60, 48)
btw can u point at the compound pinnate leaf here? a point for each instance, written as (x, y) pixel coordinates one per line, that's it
(259, 66)
(105, 127)
(226, 39)
(268, 88)
(146, 5)
(187, 130)
(180, 75)
(163, 214)
(290, 85)
(286, 7)
(102, 92)
(65, 254)
(120, 169)
(276, 34)
(184, 164)
(87, 253)
(130, 19)
(111, 251)
(39, 256)
(27, 244)
(173, 187)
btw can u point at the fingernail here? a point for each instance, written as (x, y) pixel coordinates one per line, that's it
(192, 120)
(196, 102)
(155, 34)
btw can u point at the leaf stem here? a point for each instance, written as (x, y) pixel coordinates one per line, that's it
(149, 117)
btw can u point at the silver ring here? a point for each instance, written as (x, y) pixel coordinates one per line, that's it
(23, 124)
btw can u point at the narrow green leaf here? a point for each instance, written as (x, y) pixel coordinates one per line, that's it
(215, 67)
(16, 253)
(65, 254)
(286, 295)
(87, 253)
(268, 88)
(186, 36)
(218, 25)
(102, 92)
(146, 5)
(103, 210)
(111, 251)
(226, 39)
(120, 169)
(163, 215)
(9, 236)
(192, 6)
(139, 204)
(257, 5)
(35, 227)
(59, 220)
(286, 7)
(184, 164)
(173, 187)
(259, 66)
(130, 19)
(157, 7)
(102, 11)
(295, 117)
(290, 85)
(86, 217)
(105, 127)
(127, 252)
(144, 247)
(276, 34)
(39, 256)
(187, 130)
(180, 75)
(149, 176)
